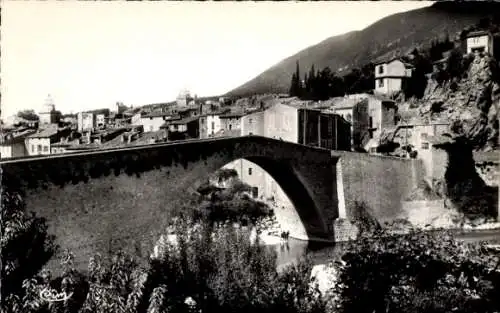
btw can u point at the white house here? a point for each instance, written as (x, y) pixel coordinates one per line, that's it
(390, 76)
(41, 141)
(210, 124)
(480, 41)
(86, 121)
(100, 120)
(152, 122)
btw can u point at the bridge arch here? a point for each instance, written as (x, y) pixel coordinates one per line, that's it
(98, 200)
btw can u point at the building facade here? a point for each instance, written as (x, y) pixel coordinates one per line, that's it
(13, 145)
(40, 142)
(187, 128)
(253, 124)
(480, 41)
(152, 122)
(230, 121)
(391, 76)
(209, 124)
(356, 112)
(100, 120)
(86, 121)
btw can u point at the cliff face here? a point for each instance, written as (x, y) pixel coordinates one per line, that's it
(471, 105)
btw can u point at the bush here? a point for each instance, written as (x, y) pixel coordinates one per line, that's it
(228, 204)
(417, 272)
(208, 270)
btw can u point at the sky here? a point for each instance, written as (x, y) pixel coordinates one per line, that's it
(90, 55)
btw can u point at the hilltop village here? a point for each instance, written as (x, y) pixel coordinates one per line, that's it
(380, 121)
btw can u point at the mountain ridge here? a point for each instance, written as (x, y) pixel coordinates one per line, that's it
(395, 34)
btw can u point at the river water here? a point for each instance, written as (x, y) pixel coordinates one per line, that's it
(321, 254)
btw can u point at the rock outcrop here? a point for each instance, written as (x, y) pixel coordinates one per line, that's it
(471, 104)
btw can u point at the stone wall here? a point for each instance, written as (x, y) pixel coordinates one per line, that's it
(382, 183)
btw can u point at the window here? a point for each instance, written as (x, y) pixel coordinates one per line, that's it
(250, 133)
(425, 145)
(39, 148)
(423, 136)
(381, 69)
(381, 83)
(373, 150)
(255, 192)
(249, 171)
(250, 121)
(45, 148)
(151, 128)
(230, 126)
(213, 125)
(479, 50)
(33, 148)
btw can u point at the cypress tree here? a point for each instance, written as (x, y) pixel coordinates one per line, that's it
(293, 85)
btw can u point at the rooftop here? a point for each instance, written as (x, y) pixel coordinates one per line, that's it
(185, 120)
(232, 115)
(157, 114)
(98, 111)
(344, 103)
(45, 133)
(478, 33)
(17, 139)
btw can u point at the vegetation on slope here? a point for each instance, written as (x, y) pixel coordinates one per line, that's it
(398, 33)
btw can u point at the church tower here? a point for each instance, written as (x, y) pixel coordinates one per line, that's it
(49, 115)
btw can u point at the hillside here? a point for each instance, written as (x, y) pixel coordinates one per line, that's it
(396, 33)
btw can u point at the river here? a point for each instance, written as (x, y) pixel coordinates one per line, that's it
(321, 254)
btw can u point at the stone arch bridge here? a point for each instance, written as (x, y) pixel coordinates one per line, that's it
(99, 200)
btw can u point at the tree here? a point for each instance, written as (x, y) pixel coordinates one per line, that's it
(418, 81)
(295, 84)
(29, 115)
(26, 245)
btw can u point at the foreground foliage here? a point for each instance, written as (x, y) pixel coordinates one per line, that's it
(207, 269)
(25, 244)
(416, 272)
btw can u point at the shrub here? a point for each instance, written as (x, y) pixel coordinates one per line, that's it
(208, 270)
(417, 272)
(224, 272)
